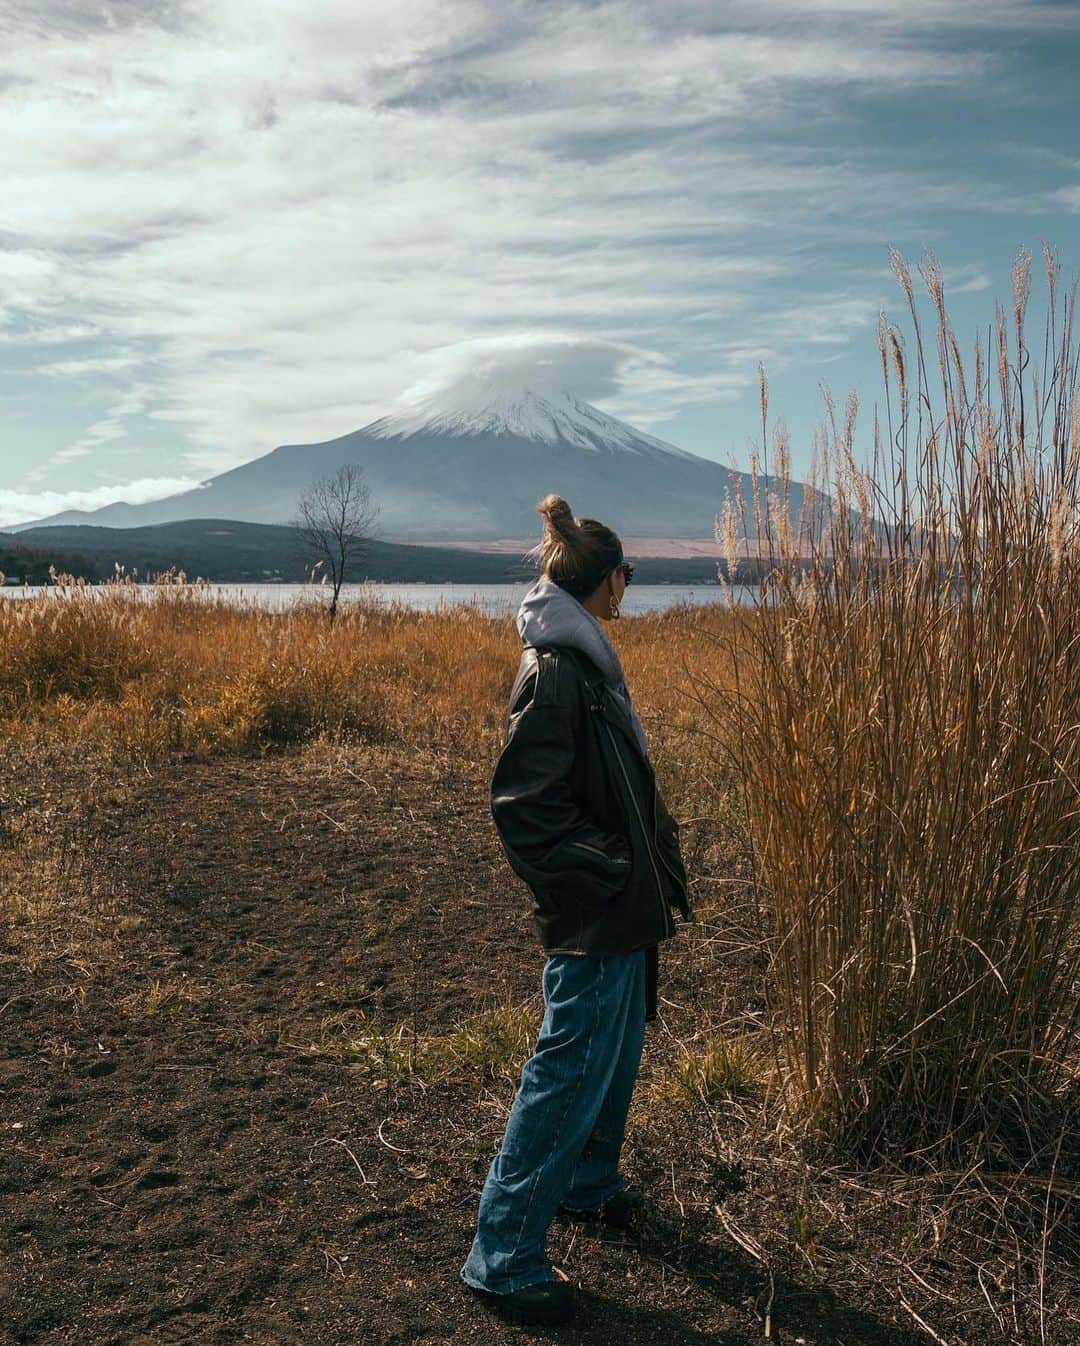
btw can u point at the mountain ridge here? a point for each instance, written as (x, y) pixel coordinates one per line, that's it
(449, 471)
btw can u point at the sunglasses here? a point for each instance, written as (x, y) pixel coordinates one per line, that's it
(627, 569)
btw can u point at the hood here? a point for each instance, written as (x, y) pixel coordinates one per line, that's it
(548, 615)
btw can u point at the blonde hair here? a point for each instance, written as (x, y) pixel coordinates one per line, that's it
(575, 553)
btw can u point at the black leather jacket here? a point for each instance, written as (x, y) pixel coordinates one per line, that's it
(580, 816)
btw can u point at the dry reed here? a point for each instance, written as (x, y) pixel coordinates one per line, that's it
(906, 735)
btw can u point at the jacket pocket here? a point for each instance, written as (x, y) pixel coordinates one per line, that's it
(603, 868)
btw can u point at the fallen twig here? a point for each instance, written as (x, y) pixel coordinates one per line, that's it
(332, 1140)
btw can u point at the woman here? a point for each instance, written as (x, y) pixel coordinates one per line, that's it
(576, 805)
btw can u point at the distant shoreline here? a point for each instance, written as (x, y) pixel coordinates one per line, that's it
(645, 547)
(227, 551)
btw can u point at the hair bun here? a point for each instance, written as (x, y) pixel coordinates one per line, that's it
(557, 514)
(575, 553)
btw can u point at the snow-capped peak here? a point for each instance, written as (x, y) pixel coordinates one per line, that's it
(546, 418)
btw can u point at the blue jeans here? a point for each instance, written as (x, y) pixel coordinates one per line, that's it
(566, 1127)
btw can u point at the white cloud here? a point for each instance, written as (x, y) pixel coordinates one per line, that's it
(969, 279)
(22, 506)
(295, 211)
(639, 382)
(96, 364)
(48, 336)
(639, 59)
(989, 15)
(476, 371)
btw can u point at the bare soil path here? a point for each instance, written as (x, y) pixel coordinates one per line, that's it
(188, 1157)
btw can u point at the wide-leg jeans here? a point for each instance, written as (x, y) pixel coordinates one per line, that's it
(566, 1127)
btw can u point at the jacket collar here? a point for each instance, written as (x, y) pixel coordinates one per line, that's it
(601, 700)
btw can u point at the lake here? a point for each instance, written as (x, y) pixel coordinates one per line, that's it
(494, 599)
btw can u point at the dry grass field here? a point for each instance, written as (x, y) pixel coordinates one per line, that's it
(267, 980)
(267, 983)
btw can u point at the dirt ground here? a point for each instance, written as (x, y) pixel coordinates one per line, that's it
(206, 1139)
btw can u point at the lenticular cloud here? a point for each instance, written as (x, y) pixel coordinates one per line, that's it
(475, 373)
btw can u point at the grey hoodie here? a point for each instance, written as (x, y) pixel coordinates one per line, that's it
(548, 615)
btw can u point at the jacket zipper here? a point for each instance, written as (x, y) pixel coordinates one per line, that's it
(669, 924)
(656, 839)
(660, 853)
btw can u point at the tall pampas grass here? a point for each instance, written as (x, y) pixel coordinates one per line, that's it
(906, 727)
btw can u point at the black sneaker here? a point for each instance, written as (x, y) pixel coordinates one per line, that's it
(546, 1302)
(622, 1212)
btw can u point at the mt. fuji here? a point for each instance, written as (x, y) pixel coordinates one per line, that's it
(544, 418)
(448, 469)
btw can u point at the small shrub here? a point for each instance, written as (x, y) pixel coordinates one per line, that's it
(721, 1067)
(161, 999)
(384, 1054)
(493, 1044)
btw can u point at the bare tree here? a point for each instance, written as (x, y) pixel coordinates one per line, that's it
(335, 518)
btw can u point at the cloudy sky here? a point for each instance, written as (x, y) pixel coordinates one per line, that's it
(226, 225)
